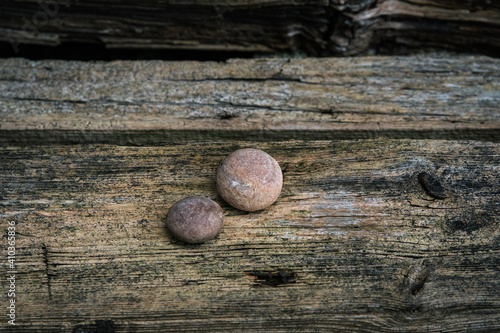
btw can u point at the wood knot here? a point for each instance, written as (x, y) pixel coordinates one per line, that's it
(431, 185)
(417, 279)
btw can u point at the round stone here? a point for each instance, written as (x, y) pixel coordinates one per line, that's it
(249, 179)
(195, 219)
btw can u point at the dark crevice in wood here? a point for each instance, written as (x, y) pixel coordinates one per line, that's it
(47, 272)
(100, 326)
(90, 51)
(160, 137)
(273, 279)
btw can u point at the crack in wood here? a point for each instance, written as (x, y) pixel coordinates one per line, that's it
(100, 326)
(161, 137)
(49, 276)
(273, 279)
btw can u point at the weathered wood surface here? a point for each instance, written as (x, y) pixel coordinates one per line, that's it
(155, 102)
(369, 236)
(322, 27)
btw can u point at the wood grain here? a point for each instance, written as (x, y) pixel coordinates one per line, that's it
(321, 27)
(367, 236)
(155, 102)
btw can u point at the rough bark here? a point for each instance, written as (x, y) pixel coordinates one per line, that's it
(367, 236)
(336, 27)
(155, 102)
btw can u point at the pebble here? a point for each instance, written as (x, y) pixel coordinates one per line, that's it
(249, 179)
(195, 219)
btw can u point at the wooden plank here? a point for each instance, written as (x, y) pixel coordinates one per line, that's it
(337, 27)
(367, 236)
(155, 102)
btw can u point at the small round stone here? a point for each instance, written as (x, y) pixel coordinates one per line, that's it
(195, 219)
(249, 179)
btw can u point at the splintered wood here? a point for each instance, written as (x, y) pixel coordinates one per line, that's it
(318, 27)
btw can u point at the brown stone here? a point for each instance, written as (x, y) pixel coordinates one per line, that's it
(195, 219)
(249, 179)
